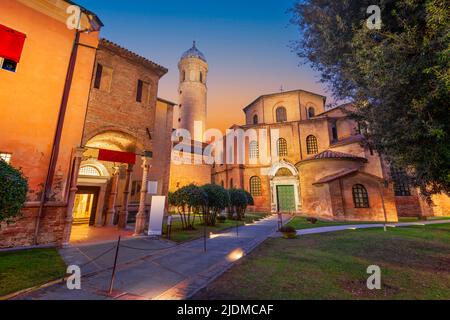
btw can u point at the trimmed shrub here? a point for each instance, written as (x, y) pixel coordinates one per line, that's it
(13, 191)
(311, 220)
(217, 200)
(188, 201)
(221, 219)
(288, 232)
(239, 202)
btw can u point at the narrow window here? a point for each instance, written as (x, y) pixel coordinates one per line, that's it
(334, 132)
(281, 115)
(311, 112)
(311, 145)
(139, 91)
(253, 150)
(231, 183)
(222, 184)
(255, 119)
(360, 196)
(201, 77)
(282, 147)
(255, 186)
(98, 76)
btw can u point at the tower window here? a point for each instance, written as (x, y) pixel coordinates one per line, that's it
(281, 115)
(142, 92)
(183, 75)
(282, 147)
(255, 186)
(255, 119)
(360, 196)
(201, 77)
(253, 150)
(311, 145)
(311, 112)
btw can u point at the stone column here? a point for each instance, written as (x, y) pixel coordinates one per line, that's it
(112, 198)
(123, 215)
(140, 217)
(78, 155)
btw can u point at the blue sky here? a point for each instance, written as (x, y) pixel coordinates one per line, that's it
(245, 43)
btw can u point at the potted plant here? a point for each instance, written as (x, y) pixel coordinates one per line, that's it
(288, 232)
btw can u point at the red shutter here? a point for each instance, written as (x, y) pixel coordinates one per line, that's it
(11, 43)
(116, 156)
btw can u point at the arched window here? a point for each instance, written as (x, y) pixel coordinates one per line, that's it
(282, 147)
(89, 171)
(183, 75)
(311, 112)
(201, 77)
(255, 119)
(253, 150)
(334, 131)
(281, 115)
(360, 196)
(255, 186)
(311, 145)
(231, 183)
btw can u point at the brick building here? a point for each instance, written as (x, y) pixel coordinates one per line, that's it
(44, 94)
(312, 161)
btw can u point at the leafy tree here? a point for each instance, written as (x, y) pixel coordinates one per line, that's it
(188, 201)
(13, 191)
(217, 200)
(239, 202)
(397, 77)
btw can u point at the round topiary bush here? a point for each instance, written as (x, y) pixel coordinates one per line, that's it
(13, 191)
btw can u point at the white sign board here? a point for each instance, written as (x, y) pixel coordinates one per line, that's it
(155, 223)
(152, 187)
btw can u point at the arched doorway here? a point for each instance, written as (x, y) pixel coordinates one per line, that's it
(284, 186)
(104, 188)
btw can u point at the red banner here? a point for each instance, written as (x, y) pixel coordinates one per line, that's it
(116, 156)
(11, 43)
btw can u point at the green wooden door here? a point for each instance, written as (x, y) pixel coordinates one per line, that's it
(286, 198)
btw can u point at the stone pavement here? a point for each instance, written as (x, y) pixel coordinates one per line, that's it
(156, 269)
(364, 226)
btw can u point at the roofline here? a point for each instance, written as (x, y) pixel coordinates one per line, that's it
(355, 158)
(341, 106)
(134, 56)
(277, 93)
(352, 172)
(167, 101)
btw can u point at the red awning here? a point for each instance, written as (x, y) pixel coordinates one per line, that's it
(116, 156)
(11, 43)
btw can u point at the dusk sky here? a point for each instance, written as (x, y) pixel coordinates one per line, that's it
(246, 44)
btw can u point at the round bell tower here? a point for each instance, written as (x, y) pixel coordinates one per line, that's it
(193, 70)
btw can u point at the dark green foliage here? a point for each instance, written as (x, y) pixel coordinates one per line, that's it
(221, 219)
(13, 191)
(188, 201)
(397, 77)
(217, 200)
(238, 202)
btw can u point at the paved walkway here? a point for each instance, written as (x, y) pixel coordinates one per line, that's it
(364, 226)
(158, 269)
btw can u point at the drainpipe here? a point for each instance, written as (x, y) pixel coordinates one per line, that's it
(58, 133)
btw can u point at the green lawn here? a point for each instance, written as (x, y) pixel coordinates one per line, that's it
(414, 262)
(27, 268)
(302, 223)
(180, 235)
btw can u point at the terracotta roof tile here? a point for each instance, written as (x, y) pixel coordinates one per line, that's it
(328, 154)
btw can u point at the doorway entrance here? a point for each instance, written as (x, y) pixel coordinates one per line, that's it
(286, 198)
(85, 206)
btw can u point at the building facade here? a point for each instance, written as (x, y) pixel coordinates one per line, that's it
(313, 161)
(44, 94)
